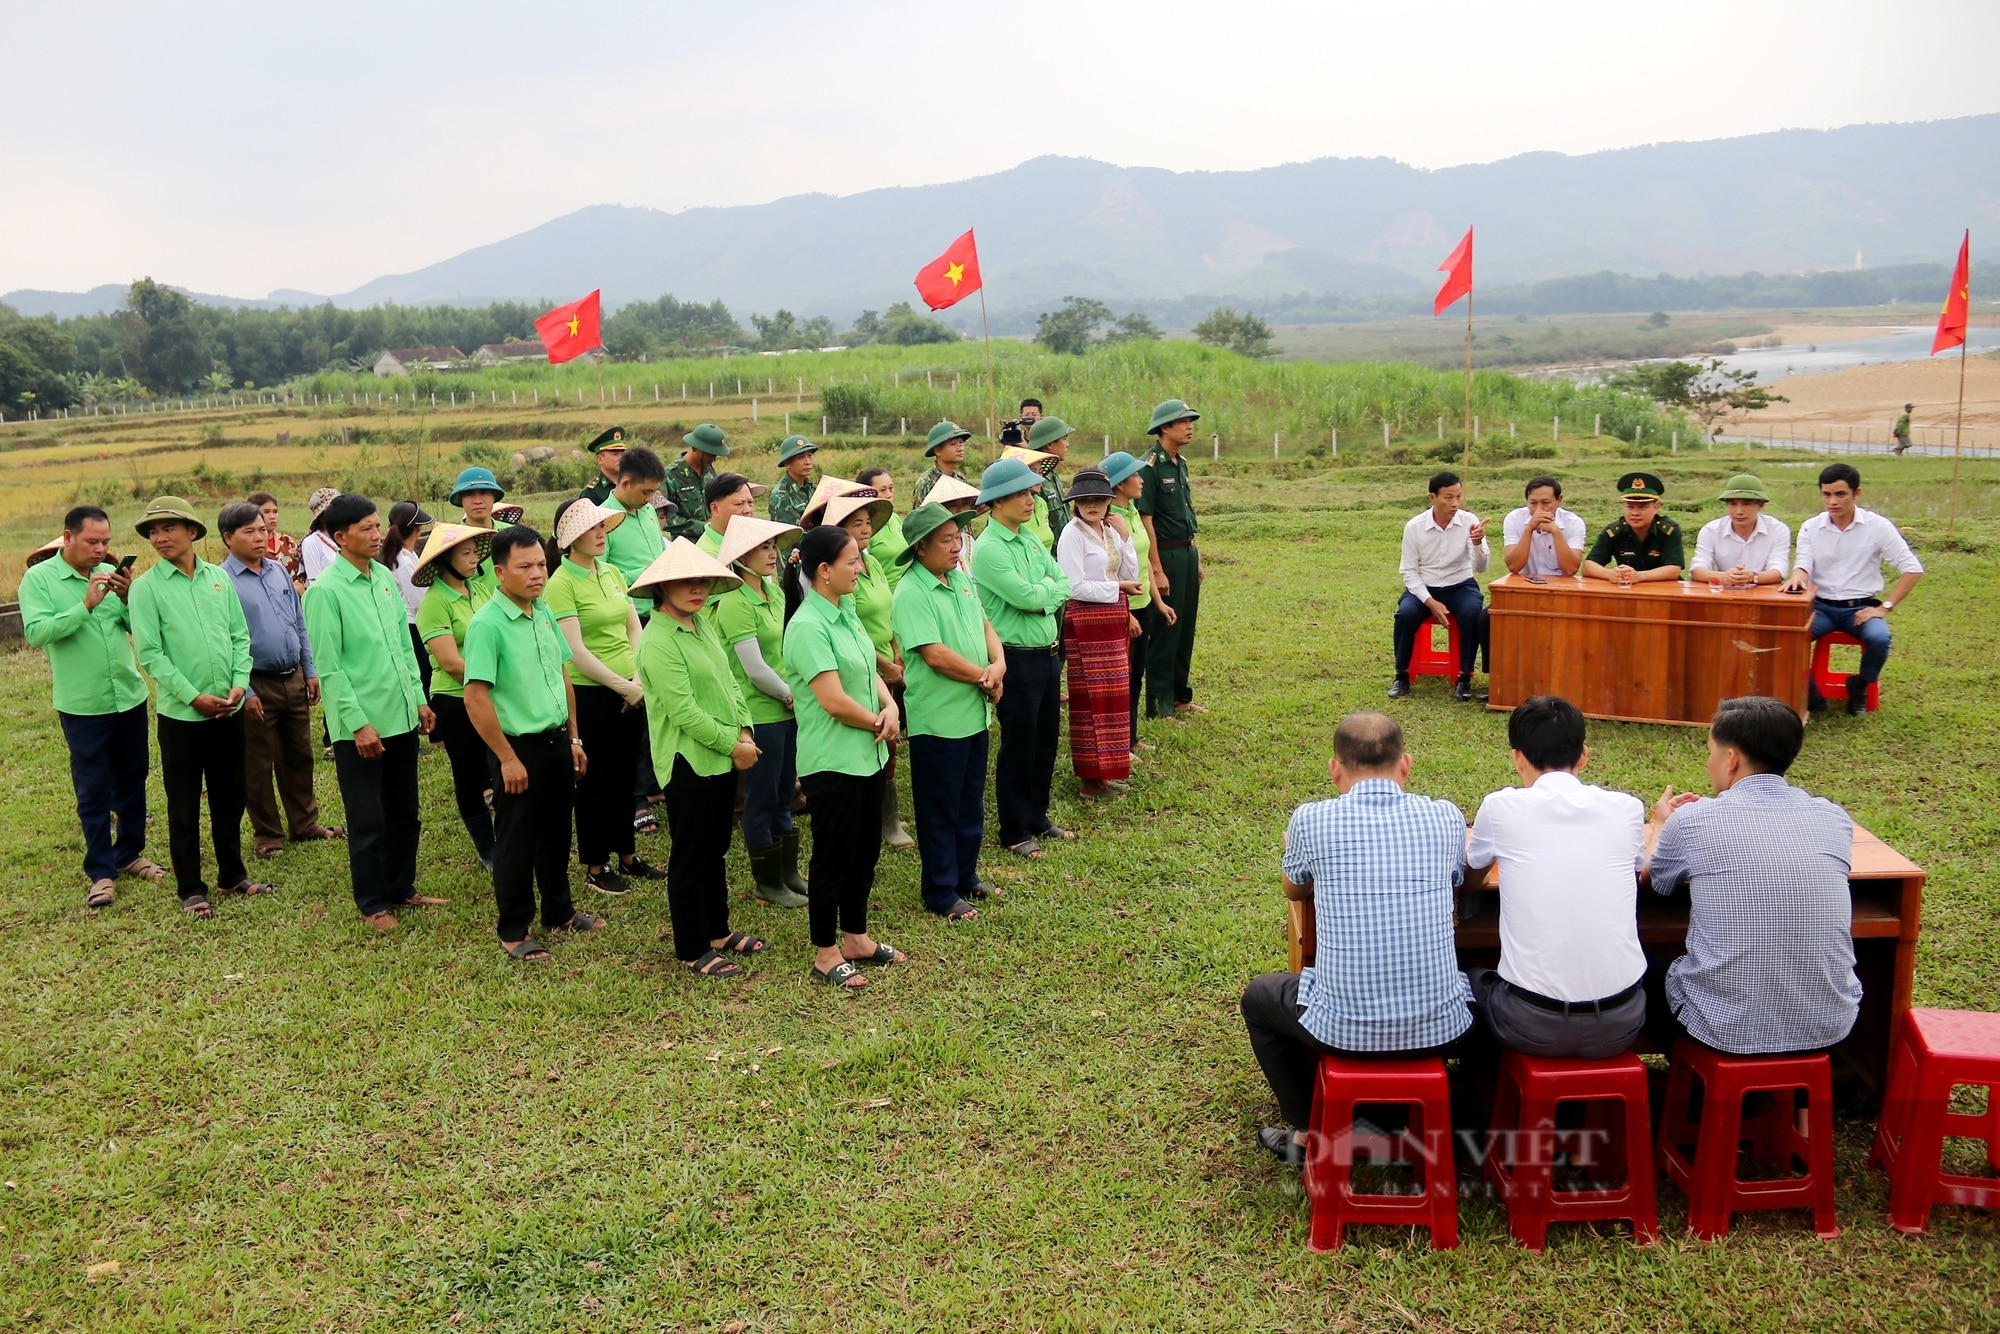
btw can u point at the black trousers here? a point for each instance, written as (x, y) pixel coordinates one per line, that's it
(1147, 617)
(468, 756)
(1462, 600)
(847, 840)
(1030, 714)
(107, 766)
(1289, 1055)
(193, 755)
(423, 659)
(1523, 1026)
(701, 814)
(1170, 653)
(531, 834)
(611, 735)
(383, 823)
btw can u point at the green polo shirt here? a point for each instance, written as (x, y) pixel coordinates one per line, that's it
(873, 603)
(710, 541)
(520, 654)
(360, 632)
(602, 610)
(1038, 524)
(1019, 585)
(1141, 544)
(635, 544)
(446, 611)
(825, 637)
(741, 614)
(191, 636)
(693, 707)
(1168, 496)
(887, 544)
(90, 655)
(930, 610)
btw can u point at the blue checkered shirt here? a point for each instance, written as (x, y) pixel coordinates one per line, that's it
(1383, 865)
(1770, 961)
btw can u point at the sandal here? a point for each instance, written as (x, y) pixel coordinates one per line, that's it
(422, 901)
(1027, 848)
(1056, 831)
(713, 965)
(738, 943)
(327, 833)
(141, 869)
(101, 895)
(961, 911)
(581, 921)
(883, 956)
(843, 975)
(250, 889)
(525, 950)
(198, 907)
(265, 854)
(382, 921)
(1189, 708)
(645, 822)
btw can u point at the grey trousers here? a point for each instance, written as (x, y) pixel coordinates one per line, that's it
(1532, 1030)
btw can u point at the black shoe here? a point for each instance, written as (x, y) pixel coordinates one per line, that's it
(607, 882)
(1815, 702)
(1857, 695)
(1282, 1145)
(638, 869)
(1461, 689)
(1399, 687)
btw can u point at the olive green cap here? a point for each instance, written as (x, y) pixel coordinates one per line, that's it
(1048, 430)
(170, 507)
(1168, 413)
(793, 446)
(707, 438)
(1745, 486)
(613, 436)
(1641, 486)
(943, 432)
(921, 522)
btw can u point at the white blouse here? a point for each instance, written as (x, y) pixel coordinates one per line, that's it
(1095, 565)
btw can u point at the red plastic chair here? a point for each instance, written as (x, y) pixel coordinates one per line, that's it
(1428, 660)
(1521, 1150)
(1936, 1051)
(1709, 1179)
(1832, 685)
(1425, 1146)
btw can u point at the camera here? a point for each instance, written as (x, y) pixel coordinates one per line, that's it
(1015, 432)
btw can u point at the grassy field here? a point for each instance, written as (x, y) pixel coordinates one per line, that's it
(277, 1121)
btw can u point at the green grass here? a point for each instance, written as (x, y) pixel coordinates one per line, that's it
(278, 1121)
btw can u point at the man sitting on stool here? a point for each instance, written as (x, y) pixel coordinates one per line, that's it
(1380, 867)
(1443, 549)
(1643, 542)
(1746, 546)
(1841, 553)
(1571, 976)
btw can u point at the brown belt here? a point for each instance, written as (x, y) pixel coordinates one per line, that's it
(1167, 544)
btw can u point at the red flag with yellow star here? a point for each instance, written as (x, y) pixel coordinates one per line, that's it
(570, 331)
(1951, 320)
(952, 276)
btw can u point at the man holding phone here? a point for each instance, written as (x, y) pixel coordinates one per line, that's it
(73, 608)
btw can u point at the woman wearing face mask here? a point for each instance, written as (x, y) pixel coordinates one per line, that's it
(1103, 571)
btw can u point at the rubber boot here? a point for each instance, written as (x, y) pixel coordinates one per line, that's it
(767, 870)
(894, 836)
(482, 839)
(788, 846)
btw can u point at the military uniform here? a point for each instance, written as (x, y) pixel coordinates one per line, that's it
(1620, 545)
(684, 486)
(932, 476)
(939, 435)
(1168, 499)
(599, 489)
(789, 499)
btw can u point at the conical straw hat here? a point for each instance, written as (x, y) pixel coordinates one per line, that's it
(829, 487)
(745, 534)
(581, 517)
(840, 508)
(683, 560)
(1031, 457)
(947, 489)
(443, 537)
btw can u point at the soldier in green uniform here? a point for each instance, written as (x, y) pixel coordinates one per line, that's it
(1166, 507)
(1050, 435)
(608, 449)
(1645, 542)
(793, 492)
(945, 448)
(688, 476)
(1901, 430)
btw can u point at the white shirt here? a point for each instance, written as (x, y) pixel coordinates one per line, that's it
(1440, 557)
(1719, 548)
(1094, 566)
(316, 553)
(1569, 859)
(413, 597)
(1845, 565)
(1542, 550)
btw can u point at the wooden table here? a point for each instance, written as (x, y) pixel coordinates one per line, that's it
(1888, 891)
(1653, 653)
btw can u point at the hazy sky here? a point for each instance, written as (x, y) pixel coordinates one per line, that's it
(237, 148)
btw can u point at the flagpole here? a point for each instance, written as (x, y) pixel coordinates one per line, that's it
(992, 437)
(1468, 379)
(1958, 431)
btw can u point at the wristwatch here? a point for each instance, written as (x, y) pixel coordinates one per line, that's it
(1888, 607)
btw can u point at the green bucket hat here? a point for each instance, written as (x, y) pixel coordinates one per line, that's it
(921, 522)
(1048, 430)
(170, 507)
(707, 438)
(793, 446)
(1168, 413)
(1006, 478)
(1744, 486)
(613, 436)
(943, 432)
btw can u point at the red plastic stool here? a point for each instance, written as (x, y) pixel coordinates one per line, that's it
(1937, 1050)
(1426, 1145)
(1521, 1152)
(1428, 661)
(1710, 1182)
(1832, 685)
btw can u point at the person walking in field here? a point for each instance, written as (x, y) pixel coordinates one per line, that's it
(1902, 429)
(73, 609)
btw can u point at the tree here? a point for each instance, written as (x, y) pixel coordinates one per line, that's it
(777, 333)
(163, 337)
(218, 381)
(1707, 389)
(1245, 333)
(1073, 328)
(1133, 329)
(36, 361)
(903, 327)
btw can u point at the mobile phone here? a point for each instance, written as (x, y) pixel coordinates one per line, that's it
(1793, 591)
(1534, 578)
(125, 566)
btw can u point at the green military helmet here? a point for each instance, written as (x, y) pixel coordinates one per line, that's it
(1005, 478)
(170, 507)
(924, 520)
(1641, 486)
(1048, 430)
(793, 446)
(707, 438)
(1745, 486)
(943, 433)
(1168, 413)
(612, 437)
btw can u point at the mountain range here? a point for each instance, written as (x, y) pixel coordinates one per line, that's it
(1788, 201)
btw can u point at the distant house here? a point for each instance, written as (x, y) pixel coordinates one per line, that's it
(493, 354)
(408, 360)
